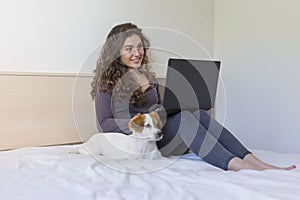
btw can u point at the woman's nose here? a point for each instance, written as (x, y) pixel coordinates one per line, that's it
(136, 52)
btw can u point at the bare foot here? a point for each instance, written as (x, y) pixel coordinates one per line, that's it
(237, 164)
(288, 168)
(250, 158)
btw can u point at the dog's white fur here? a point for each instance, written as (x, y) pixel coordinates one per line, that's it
(140, 144)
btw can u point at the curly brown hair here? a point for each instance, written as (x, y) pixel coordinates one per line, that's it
(110, 69)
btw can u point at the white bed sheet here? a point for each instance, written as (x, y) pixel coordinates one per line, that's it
(52, 173)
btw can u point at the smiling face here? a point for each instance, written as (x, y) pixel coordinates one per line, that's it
(132, 51)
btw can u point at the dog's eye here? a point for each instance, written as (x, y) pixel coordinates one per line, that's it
(147, 126)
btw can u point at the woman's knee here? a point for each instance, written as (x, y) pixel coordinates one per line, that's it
(186, 114)
(200, 113)
(203, 112)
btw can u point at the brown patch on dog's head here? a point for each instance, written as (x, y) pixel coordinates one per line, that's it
(156, 120)
(136, 124)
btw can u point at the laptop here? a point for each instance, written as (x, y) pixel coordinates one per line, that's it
(190, 85)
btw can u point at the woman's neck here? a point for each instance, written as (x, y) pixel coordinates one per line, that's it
(140, 78)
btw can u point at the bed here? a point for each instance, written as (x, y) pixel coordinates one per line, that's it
(52, 173)
(38, 133)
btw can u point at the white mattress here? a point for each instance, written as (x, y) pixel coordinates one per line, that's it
(52, 173)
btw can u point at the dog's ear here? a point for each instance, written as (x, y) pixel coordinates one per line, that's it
(156, 120)
(136, 124)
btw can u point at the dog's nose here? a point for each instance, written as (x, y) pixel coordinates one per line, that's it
(159, 134)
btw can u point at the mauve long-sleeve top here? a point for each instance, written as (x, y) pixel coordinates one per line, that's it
(113, 113)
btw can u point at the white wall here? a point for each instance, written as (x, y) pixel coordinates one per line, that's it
(259, 44)
(66, 35)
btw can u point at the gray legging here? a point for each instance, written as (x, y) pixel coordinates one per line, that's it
(201, 134)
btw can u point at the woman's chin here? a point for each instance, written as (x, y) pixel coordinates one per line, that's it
(134, 66)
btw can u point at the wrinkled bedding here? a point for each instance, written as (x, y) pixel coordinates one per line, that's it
(42, 173)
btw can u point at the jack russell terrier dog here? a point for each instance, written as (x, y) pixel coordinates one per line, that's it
(140, 144)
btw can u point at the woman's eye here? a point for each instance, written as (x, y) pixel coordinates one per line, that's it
(147, 126)
(140, 46)
(128, 49)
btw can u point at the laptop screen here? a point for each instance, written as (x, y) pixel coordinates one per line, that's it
(190, 85)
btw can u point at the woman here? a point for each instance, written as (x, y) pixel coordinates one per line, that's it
(124, 85)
